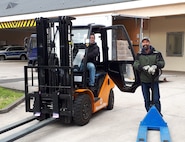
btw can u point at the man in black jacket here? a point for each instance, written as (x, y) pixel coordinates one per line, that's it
(92, 54)
(148, 62)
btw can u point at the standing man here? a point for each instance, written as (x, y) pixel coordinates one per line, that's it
(92, 55)
(148, 62)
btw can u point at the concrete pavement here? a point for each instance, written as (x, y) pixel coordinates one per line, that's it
(118, 125)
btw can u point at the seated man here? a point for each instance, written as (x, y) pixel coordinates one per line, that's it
(92, 53)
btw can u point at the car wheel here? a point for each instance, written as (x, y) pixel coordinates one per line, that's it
(111, 100)
(82, 110)
(2, 58)
(23, 57)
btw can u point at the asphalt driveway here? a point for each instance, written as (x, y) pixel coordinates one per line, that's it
(118, 125)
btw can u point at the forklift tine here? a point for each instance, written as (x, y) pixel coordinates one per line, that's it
(28, 130)
(17, 124)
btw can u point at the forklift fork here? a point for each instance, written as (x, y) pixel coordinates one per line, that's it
(25, 131)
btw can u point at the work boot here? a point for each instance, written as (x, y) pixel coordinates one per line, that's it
(94, 90)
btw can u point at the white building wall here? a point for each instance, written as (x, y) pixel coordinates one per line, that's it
(103, 19)
(158, 27)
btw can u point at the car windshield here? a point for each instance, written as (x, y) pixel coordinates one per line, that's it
(33, 43)
(3, 48)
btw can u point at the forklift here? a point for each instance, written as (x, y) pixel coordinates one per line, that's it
(59, 90)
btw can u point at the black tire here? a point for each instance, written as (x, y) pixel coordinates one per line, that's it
(111, 100)
(2, 58)
(82, 110)
(23, 57)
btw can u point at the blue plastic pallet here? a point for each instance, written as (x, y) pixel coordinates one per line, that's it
(153, 121)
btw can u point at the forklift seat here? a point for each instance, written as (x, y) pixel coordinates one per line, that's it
(99, 77)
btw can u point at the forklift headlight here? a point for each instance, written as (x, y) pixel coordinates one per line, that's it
(77, 78)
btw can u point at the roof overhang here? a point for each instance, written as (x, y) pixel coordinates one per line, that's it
(145, 8)
(124, 16)
(156, 11)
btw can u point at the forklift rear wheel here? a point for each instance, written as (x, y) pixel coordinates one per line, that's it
(111, 100)
(82, 110)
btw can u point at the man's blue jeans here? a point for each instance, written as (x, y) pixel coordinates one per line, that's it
(92, 71)
(146, 87)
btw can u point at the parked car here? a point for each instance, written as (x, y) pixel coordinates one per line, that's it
(13, 52)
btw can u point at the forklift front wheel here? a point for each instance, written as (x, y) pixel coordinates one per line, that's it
(111, 100)
(82, 109)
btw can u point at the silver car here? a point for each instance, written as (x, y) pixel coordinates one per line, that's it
(13, 52)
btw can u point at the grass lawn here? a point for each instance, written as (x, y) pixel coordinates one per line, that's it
(9, 96)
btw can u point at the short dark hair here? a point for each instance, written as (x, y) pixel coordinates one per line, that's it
(92, 34)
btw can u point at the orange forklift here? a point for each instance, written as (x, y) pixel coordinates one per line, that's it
(58, 89)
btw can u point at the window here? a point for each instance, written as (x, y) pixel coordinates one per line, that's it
(10, 49)
(15, 48)
(175, 44)
(80, 35)
(18, 48)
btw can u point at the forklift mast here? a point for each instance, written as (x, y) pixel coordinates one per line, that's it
(54, 75)
(46, 50)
